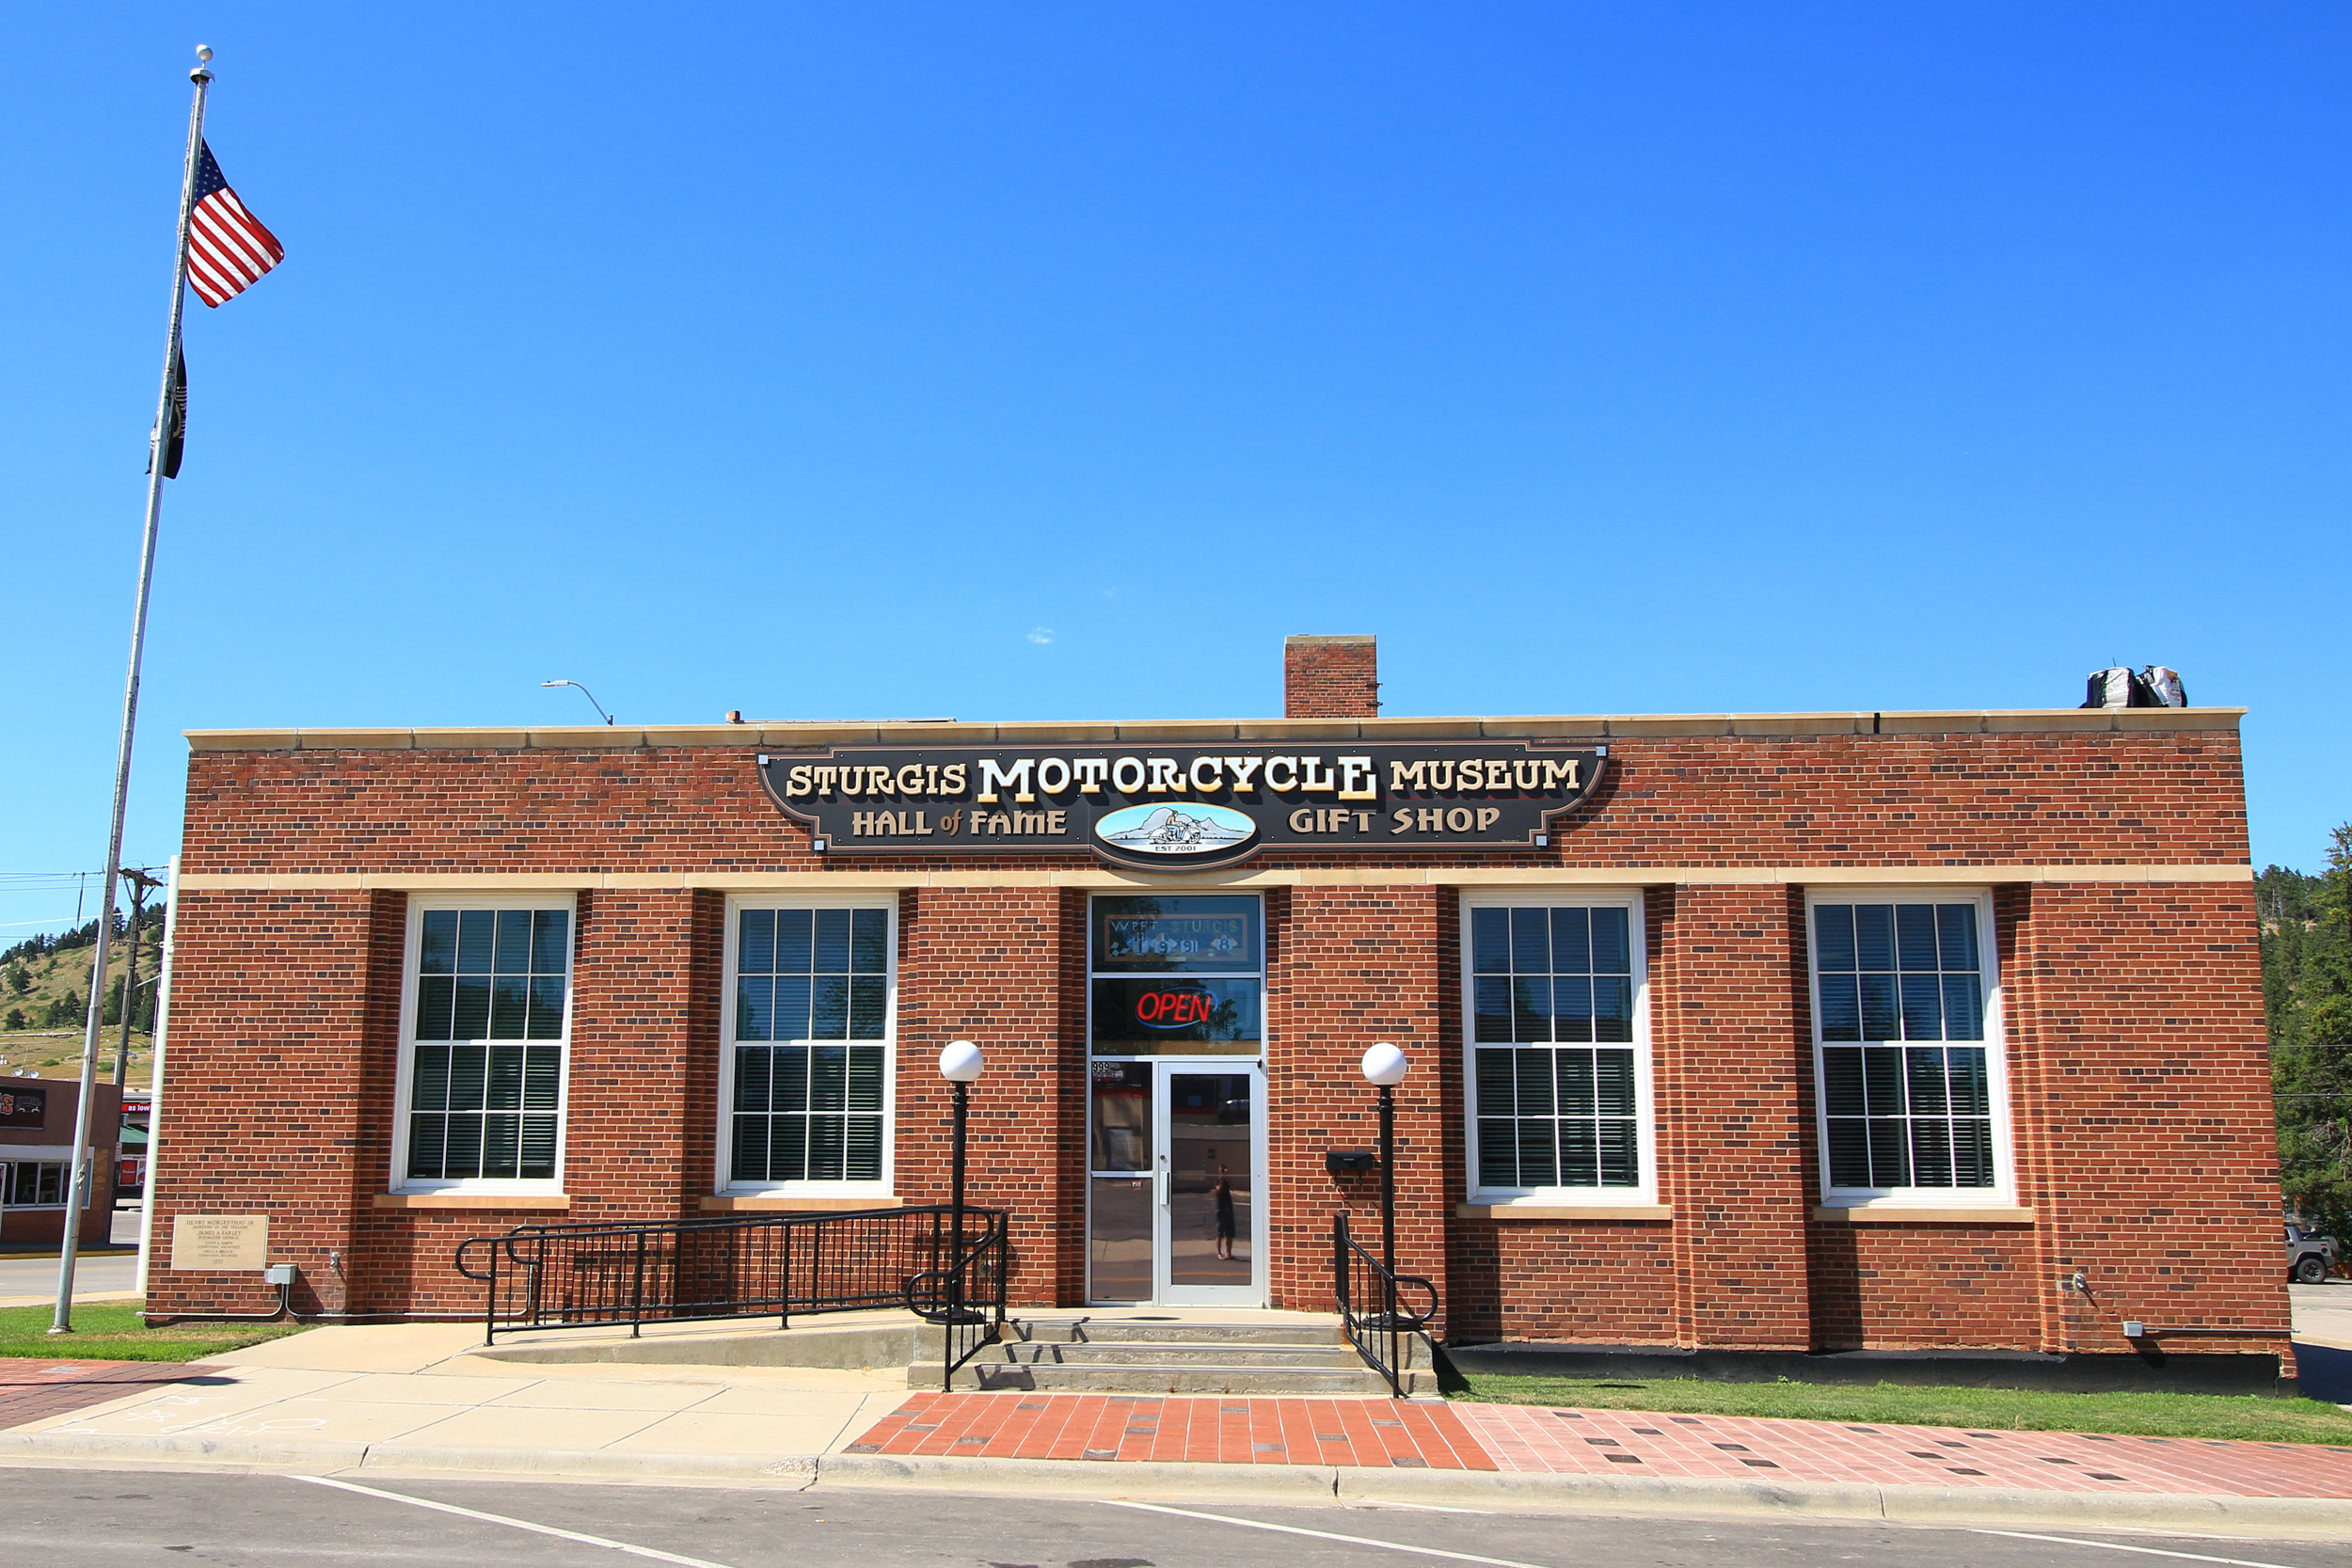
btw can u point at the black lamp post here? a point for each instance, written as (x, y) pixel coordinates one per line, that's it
(1385, 1066)
(959, 1063)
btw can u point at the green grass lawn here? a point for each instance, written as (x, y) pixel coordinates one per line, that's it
(2252, 1417)
(111, 1331)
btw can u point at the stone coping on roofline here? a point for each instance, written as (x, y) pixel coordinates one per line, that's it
(1178, 732)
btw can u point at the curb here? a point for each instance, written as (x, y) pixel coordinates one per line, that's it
(2194, 1513)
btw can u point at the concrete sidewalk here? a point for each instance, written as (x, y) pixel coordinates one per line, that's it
(420, 1399)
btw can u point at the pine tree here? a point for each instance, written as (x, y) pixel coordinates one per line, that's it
(2307, 984)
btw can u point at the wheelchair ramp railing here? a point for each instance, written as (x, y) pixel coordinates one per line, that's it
(543, 1276)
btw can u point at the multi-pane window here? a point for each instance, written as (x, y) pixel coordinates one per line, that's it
(1905, 1082)
(485, 1082)
(1553, 1054)
(810, 1099)
(33, 1183)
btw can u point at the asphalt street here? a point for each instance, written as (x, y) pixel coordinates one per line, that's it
(104, 1275)
(69, 1518)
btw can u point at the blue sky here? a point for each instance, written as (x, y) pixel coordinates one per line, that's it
(1054, 361)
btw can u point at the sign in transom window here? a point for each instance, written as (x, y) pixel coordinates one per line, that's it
(809, 1098)
(1177, 976)
(1557, 1069)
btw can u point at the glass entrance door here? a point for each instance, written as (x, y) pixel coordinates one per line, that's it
(1208, 1248)
(1177, 1168)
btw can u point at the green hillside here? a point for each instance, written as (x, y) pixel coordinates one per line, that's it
(44, 990)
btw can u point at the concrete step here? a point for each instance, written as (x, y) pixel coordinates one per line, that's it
(1145, 1378)
(1088, 1330)
(1170, 1353)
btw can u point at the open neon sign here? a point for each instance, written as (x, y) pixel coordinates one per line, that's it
(1176, 1008)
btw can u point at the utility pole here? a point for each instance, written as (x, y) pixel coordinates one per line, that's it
(141, 884)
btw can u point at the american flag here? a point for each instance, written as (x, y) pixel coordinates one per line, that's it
(227, 248)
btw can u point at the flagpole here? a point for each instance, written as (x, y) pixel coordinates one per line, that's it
(85, 1179)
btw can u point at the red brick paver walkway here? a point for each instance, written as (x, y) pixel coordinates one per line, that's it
(1237, 1428)
(1230, 1429)
(30, 1391)
(1587, 1442)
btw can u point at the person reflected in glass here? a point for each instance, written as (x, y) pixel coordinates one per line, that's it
(1223, 1193)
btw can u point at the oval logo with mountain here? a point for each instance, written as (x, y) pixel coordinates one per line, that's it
(1175, 831)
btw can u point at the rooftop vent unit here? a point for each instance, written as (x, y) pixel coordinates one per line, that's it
(2157, 686)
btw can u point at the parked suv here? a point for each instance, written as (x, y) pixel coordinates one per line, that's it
(2311, 1257)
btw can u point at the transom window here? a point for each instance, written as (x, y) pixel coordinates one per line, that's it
(489, 1019)
(1905, 1070)
(1558, 1072)
(809, 1097)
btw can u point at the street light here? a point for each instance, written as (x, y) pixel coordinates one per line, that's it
(959, 1063)
(1385, 1068)
(585, 692)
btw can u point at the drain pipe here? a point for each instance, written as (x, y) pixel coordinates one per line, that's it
(156, 1085)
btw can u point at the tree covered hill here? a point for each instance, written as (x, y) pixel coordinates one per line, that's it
(2307, 996)
(45, 991)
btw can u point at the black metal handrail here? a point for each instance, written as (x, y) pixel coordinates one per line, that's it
(968, 1301)
(1377, 1322)
(740, 1266)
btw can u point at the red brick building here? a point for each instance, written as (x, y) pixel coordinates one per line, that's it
(1794, 1031)
(37, 1117)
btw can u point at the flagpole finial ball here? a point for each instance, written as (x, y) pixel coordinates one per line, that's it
(204, 53)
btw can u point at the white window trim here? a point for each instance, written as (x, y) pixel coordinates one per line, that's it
(405, 1085)
(2003, 1192)
(1644, 1102)
(722, 1164)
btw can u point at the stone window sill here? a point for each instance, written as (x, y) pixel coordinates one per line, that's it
(749, 1205)
(1921, 1213)
(471, 1200)
(1554, 1212)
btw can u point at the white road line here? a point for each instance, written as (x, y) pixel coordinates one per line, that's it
(2119, 1546)
(1326, 1535)
(515, 1524)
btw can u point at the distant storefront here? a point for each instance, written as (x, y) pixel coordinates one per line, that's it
(1796, 1031)
(36, 1159)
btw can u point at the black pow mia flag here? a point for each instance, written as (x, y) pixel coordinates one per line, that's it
(175, 417)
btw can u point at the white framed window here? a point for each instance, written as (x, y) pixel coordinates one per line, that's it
(485, 1044)
(1911, 1078)
(1556, 1030)
(807, 1075)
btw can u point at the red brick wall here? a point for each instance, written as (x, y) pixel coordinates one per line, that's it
(1896, 799)
(2136, 1069)
(264, 1108)
(1331, 677)
(989, 965)
(1736, 1134)
(2153, 1081)
(1353, 966)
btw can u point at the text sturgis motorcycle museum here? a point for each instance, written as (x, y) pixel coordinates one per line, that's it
(1747, 1033)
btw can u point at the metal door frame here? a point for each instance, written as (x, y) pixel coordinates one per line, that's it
(1164, 1291)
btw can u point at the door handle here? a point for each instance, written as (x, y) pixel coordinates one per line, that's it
(1163, 1182)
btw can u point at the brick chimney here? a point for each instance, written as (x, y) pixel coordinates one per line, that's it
(1331, 677)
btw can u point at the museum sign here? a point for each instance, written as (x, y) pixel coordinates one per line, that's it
(1178, 809)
